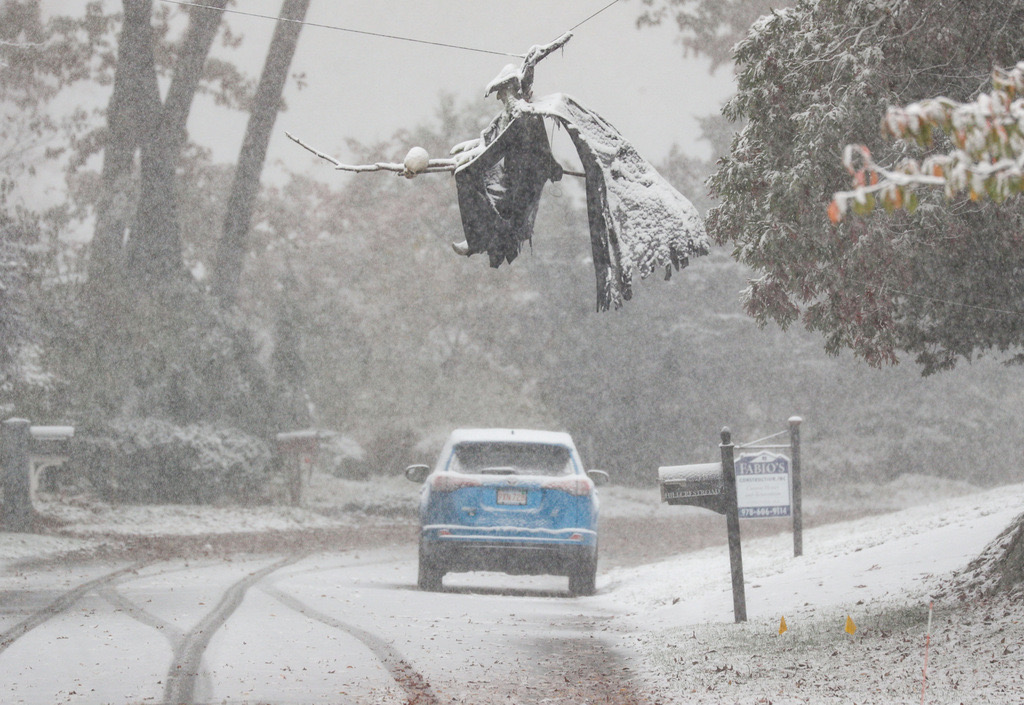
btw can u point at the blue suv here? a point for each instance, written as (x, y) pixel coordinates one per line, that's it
(508, 500)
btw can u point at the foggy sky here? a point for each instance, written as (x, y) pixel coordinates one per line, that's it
(367, 88)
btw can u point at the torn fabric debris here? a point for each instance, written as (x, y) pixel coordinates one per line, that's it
(499, 190)
(638, 221)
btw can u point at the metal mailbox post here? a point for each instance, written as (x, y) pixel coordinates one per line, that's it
(712, 486)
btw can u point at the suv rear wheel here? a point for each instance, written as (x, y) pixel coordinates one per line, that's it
(430, 575)
(583, 576)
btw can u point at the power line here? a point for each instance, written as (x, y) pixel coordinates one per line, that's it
(573, 28)
(379, 34)
(975, 307)
(948, 302)
(347, 29)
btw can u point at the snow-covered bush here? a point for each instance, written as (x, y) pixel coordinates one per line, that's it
(389, 451)
(342, 456)
(153, 461)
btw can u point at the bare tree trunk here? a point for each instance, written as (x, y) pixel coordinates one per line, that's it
(132, 109)
(234, 242)
(154, 249)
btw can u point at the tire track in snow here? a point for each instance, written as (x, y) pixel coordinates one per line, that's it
(171, 632)
(60, 605)
(180, 684)
(174, 635)
(415, 685)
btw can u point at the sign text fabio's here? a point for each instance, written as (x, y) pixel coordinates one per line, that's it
(763, 486)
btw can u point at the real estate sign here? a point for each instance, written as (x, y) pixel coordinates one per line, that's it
(763, 486)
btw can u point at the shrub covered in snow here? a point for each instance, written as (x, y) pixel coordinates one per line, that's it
(342, 456)
(389, 451)
(153, 461)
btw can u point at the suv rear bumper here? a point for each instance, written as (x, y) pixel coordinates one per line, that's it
(509, 554)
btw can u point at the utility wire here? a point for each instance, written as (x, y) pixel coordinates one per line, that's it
(379, 34)
(987, 309)
(346, 29)
(573, 28)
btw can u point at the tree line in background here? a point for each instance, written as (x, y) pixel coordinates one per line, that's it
(338, 304)
(122, 329)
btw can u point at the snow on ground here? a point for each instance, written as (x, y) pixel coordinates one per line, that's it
(81, 523)
(104, 520)
(19, 547)
(902, 553)
(676, 615)
(881, 572)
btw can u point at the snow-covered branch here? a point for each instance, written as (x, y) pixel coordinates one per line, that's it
(987, 159)
(415, 162)
(533, 56)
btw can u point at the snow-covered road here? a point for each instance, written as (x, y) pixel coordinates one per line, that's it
(322, 624)
(320, 628)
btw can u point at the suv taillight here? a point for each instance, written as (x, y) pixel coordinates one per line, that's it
(449, 482)
(577, 485)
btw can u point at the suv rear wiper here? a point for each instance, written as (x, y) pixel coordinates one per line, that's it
(498, 471)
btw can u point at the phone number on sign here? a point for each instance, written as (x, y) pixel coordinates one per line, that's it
(763, 512)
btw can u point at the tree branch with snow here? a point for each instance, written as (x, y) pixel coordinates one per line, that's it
(415, 162)
(987, 159)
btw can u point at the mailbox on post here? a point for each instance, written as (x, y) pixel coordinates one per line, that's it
(25, 452)
(298, 450)
(50, 447)
(699, 485)
(712, 486)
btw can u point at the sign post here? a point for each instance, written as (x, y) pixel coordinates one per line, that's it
(798, 515)
(732, 525)
(770, 487)
(796, 500)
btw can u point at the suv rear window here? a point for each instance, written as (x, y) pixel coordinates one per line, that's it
(511, 459)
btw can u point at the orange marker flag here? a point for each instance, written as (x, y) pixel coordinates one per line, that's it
(782, 626)
(850, 626)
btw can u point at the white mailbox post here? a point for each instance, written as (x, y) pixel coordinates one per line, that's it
(49, 449)
(298, 451)
(26, 451)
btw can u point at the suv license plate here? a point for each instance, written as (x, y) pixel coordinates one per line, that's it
(512, 497)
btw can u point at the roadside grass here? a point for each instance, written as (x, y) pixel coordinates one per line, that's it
(815, 660)
(974, 656)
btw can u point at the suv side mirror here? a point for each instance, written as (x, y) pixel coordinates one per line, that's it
(600, 477)
(417, 473)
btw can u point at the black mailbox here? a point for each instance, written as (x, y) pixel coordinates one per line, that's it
(699, 485)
